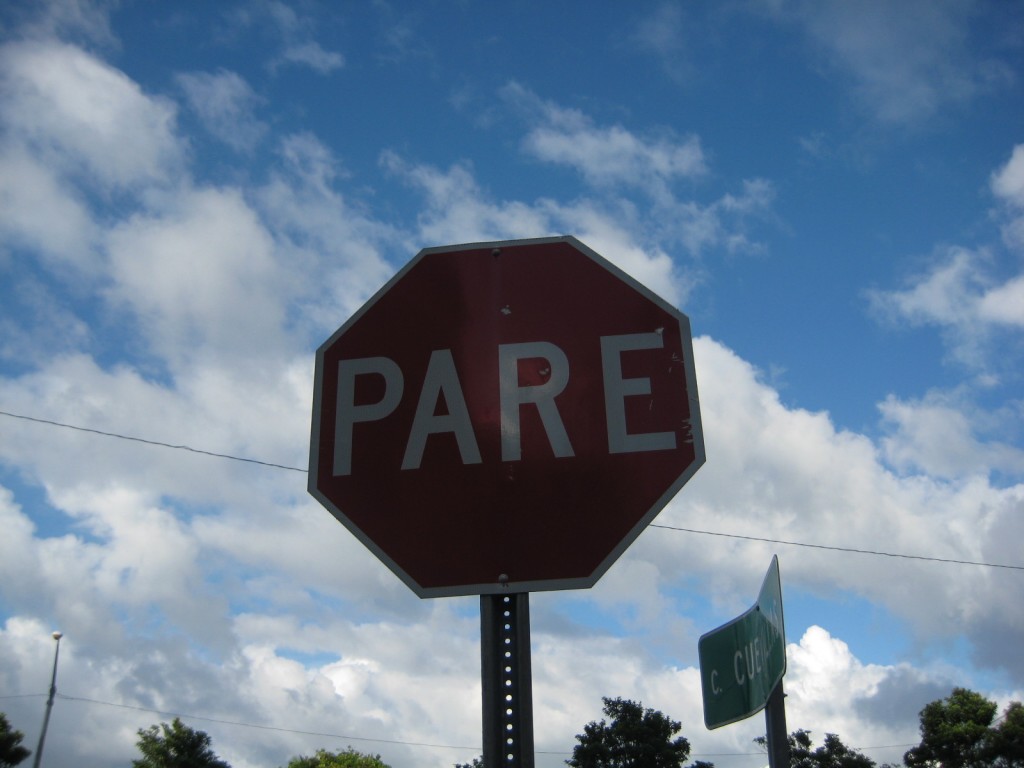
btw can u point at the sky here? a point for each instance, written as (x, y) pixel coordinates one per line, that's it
(194, 196)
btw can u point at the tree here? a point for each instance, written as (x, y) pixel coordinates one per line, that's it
(1006, 742)
(175, 746)
(478, 762)
(11, 751)
(954, 732)
(831, 754)
(635, 738)
(347, 759)
(958, 732)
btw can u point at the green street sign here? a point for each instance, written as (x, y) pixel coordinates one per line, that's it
(741, 662)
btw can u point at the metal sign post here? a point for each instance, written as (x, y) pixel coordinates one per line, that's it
(775, 729)
(507, 680)
(533, 379)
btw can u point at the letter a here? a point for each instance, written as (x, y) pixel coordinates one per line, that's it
(441, 379)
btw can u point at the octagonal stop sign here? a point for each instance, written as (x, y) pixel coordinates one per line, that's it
(504, 416)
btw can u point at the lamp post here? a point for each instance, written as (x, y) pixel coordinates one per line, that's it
(49, 702)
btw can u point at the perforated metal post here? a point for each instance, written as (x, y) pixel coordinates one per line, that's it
(775, 726)
(507, 680)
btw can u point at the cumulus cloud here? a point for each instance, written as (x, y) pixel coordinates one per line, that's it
(971, 294)
(885, 698)
(72, 123)
(1008, 181)
(296, 35)
(37, 211)
(225, 104)
(961, 295)
(457, 209)
(1008, 187)
(662, 34)
(805, 480)
(938, 435)
(615, 161)
(88, 19)
(85, 117)
(906, 61)
(605, 156)
(178, 575)
(200, 275)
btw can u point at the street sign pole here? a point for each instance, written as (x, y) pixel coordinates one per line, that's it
(507, 680)
(775, 729)
(480, 377)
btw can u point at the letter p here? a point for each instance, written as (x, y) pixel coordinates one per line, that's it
(347, 413)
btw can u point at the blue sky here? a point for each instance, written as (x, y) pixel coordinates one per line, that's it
(194, 196)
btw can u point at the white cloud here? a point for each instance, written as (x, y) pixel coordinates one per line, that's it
(617, 162)
(969, 293)
(298, 45)
(824, 677)
(336, 245)
(662, 33)
(39, 212)
(179, 576)
(84, 116)
(52, 18)
(937, 436)
(201, 278)
(961, 295)
(606, 156)
(313, 55)
(788, 470)
(1008, 181)
(1008, 187)
(457, 210)
(788, 474)
(225, 103)
(905, 61)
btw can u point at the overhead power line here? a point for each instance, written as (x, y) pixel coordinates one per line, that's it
(157, 443)
(279, 729)
(762, 539)
(345, 737)
(852, 550)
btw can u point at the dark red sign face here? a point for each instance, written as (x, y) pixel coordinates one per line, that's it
(504, 416)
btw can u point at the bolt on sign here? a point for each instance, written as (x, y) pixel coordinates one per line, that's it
(504, 417)
(743, 661)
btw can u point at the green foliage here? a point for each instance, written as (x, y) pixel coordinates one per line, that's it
(347, 759)
(478, 762)
(832, 754)
(1006, 742)
(175, 746)
(954, 732)
(635, 738)
(958, 732)
(11, 751)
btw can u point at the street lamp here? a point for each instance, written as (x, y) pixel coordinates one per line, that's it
(49, 702)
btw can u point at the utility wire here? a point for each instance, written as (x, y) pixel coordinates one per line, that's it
(853, 550)
(345, 737)
(185, 716)
(149, 442)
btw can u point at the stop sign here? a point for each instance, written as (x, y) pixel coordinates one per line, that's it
(504, 416)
